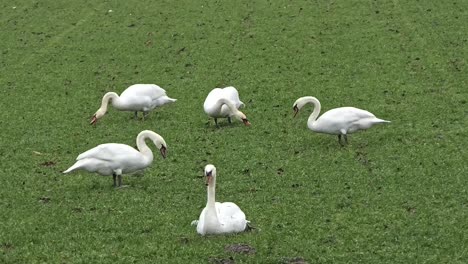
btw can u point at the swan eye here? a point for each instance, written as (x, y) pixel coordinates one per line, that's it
(295, 108)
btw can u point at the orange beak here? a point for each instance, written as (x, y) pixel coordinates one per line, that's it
(93, 120)
(246, 122)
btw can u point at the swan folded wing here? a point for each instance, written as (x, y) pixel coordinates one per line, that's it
(344, 115)
(232, 94)
(231, 217)
(108, 152)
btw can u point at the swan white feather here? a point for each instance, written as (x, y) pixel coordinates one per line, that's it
(219, 218)
(338, 121)
(224, 103)
(138, 97)
(117, 159)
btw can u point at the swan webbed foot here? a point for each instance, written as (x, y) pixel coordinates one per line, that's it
(114, 176)
(229, 120)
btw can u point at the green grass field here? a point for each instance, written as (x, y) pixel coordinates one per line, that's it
(396, 194)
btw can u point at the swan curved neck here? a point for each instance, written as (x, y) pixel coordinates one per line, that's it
(229, 104)
(143, 147)
(315, 113)
(113, 97)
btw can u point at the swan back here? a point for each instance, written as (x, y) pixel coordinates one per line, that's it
(151, 90)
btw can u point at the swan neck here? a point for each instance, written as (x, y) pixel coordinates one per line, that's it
(211, 193)
(230, 105)
(143, 147)
(315, 113)
(113, 98)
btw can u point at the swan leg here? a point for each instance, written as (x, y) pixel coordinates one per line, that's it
(120, 179)
(216, 122)
(145, 115)
(136, 114)
(345, 138)
(339, 140)
(229, 120)
(114, 177)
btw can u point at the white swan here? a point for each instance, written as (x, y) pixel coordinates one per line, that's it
(224, 102)
(138, 97)
(219, 218)
(117, 159)
(337, 121)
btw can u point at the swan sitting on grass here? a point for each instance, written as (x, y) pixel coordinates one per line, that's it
(219, 218)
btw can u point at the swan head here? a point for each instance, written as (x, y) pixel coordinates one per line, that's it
(99, 113)
(300, 103)
(158, 141)
(160, 144)
(210, 173)
(295, 109)
(241, 117)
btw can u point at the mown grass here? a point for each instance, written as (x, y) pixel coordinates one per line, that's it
(396, 194)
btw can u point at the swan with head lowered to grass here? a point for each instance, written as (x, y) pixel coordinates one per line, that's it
(219, 218)
(224, 102)
(338, 121)
(117, 159)
(138, 97)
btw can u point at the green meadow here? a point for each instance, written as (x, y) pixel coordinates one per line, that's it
(397, 193)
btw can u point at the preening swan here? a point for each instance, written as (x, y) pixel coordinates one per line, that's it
(224, 102)
(219, 218)
(138, 97)
(117, 159)
(338, 121)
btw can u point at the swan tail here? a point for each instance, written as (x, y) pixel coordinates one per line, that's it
(379, 121)
(75, 166)
(194, 223)
(171, 100)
